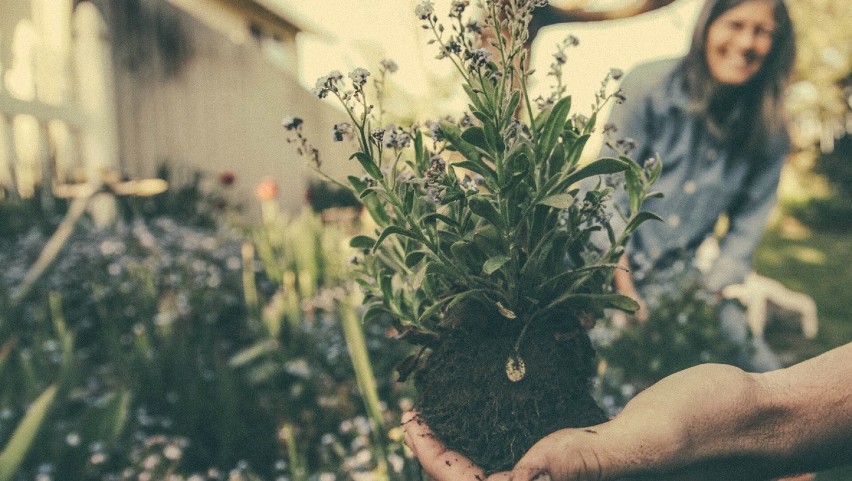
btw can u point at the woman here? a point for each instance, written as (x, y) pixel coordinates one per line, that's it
(715, 118)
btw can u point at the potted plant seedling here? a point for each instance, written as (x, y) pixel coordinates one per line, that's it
(493, 250)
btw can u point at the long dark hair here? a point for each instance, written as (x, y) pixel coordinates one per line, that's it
(751, 114)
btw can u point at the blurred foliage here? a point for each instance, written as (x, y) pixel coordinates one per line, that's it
(180, 353)
(834, 211)
(681, 331)
(819, 99)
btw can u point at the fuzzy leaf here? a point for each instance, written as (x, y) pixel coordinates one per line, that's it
(413, 257)
(512, 105)
(640, 218)
(598, 167)
(553, 127)
(369, 166)
(596, 301)
(494, 263)
(480, 206)
(559, 201)
(362, 242)
(454, 137)
(391, 230)
(476, 137)
(474, 97)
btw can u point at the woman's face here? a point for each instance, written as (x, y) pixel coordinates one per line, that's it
(739, 40)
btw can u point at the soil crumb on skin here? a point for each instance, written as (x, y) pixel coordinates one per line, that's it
(469, 403)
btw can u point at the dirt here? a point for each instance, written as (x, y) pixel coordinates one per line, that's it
(467, 399)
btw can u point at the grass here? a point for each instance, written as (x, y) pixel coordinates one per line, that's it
(820, 265)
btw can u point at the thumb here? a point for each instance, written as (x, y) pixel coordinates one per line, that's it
(565, 455)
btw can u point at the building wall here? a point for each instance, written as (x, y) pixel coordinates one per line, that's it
(216, 106)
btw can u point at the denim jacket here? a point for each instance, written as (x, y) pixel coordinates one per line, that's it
(702, 178)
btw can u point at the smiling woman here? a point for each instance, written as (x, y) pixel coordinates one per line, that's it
(716, 119)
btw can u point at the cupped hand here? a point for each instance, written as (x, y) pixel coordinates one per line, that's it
(440, 463)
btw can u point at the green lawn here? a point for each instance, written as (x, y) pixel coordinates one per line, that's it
(819, 264)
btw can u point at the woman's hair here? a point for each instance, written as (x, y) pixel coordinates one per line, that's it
(752, 113)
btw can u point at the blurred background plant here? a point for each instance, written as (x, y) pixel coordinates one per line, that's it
(168, 345)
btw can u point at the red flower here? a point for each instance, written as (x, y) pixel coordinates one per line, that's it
(266, 190)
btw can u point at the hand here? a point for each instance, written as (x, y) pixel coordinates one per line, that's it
(693, 425)
(439, 463)
(623, 283)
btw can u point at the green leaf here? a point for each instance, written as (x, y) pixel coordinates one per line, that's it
(374, 312)
(433, 216)
(480, 206)
(576, 150)
(418, 150)
(494, 263)
(386, 284)
(595, 301)
(372, 203)
(477, 167)
(16, 448)
(512, 105)
(633, 184)
(367, 163)
(453, 135)
(362, 242)
(474, 97)
(640, 218)
(476, 137)
(553, 127)
(559, 201)
(413, 257)
(391, 230)
(603, 166)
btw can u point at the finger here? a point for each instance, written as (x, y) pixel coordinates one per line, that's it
(437, 461)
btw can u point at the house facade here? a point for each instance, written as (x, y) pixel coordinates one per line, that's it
(195, 85)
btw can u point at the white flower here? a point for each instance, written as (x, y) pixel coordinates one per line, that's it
(424, 10)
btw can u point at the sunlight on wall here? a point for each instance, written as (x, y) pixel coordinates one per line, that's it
(369, 31)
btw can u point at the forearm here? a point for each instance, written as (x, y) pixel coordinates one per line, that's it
(813, 402)
(792, 420)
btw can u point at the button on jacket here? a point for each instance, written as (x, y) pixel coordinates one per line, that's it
(703, 177)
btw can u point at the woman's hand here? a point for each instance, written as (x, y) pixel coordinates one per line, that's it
(622, 281)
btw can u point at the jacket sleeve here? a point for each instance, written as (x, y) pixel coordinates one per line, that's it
(747, 221)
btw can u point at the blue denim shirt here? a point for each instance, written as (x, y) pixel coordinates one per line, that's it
(702, 178)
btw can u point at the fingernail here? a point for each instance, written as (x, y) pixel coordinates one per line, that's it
(541, 477)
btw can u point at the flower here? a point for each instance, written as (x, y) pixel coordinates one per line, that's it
(389, 65)
(359, 77)
(458, 7)
(266, 189)
(425, 10)
(478, 58)
(341, 131)
(292, 123)
(616, 73)
(327, 83)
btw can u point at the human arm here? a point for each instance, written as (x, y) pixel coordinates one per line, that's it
(714, 422)
(747, 221)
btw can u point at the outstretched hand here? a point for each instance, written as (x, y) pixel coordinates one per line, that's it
(708, 422)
